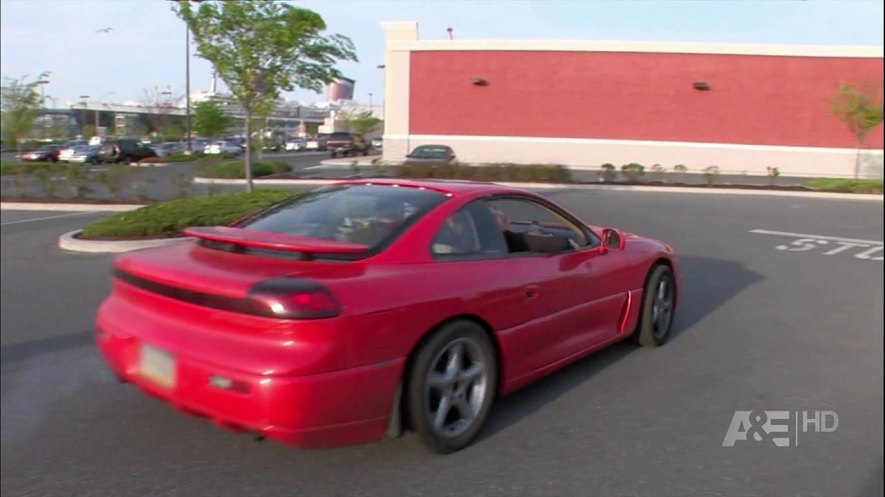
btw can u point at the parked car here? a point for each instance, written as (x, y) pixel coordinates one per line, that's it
(332, 317)
(123, 150)
(430, 154)
(347, 144)
(168, 148)
(86, 155)
(296, 144)
(46, 153)
(65, 154)
(378, 143)
(76, 143)
(319, 142)
(223, 147)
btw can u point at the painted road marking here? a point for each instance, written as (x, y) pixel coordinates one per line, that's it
(45, 218)
(870, 249)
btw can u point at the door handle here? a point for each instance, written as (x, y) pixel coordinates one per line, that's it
(531, 292)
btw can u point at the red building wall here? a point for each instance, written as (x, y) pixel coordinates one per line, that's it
(761, 100)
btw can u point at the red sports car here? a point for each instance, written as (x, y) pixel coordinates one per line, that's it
(369, 307)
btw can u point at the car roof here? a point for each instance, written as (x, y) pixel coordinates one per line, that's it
(441, 185)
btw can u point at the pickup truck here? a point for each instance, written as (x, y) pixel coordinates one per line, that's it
(347, 144)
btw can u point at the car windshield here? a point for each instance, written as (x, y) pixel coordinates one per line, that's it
(372, 215)
(430, 152)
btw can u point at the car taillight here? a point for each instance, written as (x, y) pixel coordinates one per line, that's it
(290, 298)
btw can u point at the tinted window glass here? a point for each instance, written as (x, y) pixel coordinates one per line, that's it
(517, 216)
(472, 231)
(431, 152)
(369, 214)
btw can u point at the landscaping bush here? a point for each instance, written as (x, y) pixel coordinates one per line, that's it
(169, 219)
(711, 173)
(609, 172)
(553, 173)
(633, 171)
(15, 167)
(209, 168)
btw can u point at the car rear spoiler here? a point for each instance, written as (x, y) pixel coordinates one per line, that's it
(274, 241)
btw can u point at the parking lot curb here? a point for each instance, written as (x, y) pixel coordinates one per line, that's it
(37, 206)
(578, 186)
(69, 241)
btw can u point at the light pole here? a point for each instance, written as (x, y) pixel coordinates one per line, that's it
(164, 108)
(97, 121)
(42, 83)
(84, 104)
(383, 67)
(187, 88)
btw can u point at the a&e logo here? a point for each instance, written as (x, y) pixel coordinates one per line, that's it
(780, 428)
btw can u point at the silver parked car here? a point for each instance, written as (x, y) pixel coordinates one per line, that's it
(296, 144)
(222, 147)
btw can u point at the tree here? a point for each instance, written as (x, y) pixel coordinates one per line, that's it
(861, 111)
(210, 120)
(20, 104)
(159, 103)
(261, 48)
(363, 123)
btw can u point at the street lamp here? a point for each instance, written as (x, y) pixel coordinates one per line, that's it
(383, 102)
(187, 88)
(97, 122)
(83, 123)
(42, 83)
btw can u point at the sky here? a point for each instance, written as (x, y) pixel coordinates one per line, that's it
(145, 47)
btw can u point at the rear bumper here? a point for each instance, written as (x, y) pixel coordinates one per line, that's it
(311, 411)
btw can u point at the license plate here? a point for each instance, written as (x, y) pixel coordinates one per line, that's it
(157, 365)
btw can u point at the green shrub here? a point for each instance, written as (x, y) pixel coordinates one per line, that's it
(213, 168)
(553, 173)
(169, 219)
(47, 181)
(633, 170)
(609, 172)
(15, 167)
(680, 168)
(711, 173)
(78, 178)
(112, 179)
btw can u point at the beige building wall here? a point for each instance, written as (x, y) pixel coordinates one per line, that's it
(402, 39)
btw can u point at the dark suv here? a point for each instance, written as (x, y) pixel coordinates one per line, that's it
(123, 150)
(347, 144)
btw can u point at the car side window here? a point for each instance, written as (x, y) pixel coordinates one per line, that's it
(469, 233)
(517, 217)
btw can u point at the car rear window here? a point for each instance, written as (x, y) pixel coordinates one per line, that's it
(373, 215)
(431, 152)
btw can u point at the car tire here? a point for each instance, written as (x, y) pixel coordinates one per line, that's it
(451, 385)
(94, 161)
(127, 160)
(658, 307)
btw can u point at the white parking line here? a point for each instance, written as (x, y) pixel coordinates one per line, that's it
(817, 237)
(45, 218)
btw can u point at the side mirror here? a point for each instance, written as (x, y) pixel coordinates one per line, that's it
(612, 239)
(410, 156)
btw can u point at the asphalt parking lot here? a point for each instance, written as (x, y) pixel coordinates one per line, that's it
(782, 312)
